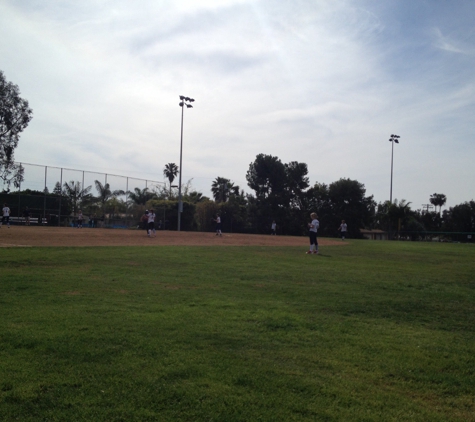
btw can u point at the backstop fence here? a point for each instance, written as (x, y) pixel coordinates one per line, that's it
(54, 196)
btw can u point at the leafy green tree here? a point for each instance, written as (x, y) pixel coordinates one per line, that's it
(394, 216)
(431, 221)
(268, 177)
(348, 202)
(297, 183)
(415, 229)
(15, 114)
(205, 213)
(460, 218)
(169, 210)
(344, 199)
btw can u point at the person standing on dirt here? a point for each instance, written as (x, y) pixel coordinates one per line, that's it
(151, 224)
(5, 215)
(273, 228)
(26, 214)
(80, 219)
(218, 225)
(144, 220)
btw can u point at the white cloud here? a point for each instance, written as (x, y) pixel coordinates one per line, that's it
(322, 82)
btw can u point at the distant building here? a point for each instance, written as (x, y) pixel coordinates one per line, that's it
(374, 234)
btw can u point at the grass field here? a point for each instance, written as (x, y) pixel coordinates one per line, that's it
(372, 331)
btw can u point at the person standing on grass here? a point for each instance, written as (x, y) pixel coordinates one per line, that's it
(343, 228)
(145, 221)
(26, 214)
(273, 228)
(151, 224)
(80, 219)
(218, 225)
(5, 215)
(313, 227)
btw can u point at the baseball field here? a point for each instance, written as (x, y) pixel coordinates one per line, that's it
(110, 325)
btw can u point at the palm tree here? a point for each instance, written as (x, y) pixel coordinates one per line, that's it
(105, 194)
(75, 194)
(222, 188)
(170, 172)
(438, 200)
(141, 196)
(399, 212)
(195, 197)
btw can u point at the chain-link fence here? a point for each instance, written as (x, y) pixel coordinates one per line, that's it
(55, 196)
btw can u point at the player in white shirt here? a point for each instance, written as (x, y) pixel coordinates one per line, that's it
(313, 227)
(218, 225)
(151, 224)
(5, 215)
(273, 228)
(343, 228)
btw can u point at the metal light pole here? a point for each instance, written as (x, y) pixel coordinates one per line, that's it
(184, 102)
(392, 139)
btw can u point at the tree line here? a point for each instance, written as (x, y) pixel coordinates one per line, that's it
(280, 192)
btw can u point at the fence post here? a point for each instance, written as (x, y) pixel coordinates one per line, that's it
(19, 195)
(127, 203)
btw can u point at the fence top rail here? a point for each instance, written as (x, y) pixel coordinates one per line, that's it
(429, 232)
(91, 171)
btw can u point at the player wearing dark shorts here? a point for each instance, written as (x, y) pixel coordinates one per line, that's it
(5, 215)
(151, 224)
(80, 219)
(312, 233)
(218, 225)
(26, 214)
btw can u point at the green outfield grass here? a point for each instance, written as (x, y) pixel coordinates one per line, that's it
(371, 331)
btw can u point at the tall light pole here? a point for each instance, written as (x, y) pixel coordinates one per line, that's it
(183, 102)
(392, 139)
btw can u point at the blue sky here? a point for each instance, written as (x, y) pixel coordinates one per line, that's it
(320, 82)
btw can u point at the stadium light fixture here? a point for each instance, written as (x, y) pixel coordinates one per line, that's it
(393, 139)
(184, 101)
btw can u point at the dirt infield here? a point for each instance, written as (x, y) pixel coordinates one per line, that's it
(67, 236)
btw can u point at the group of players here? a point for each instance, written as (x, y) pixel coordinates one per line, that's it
(149, 217)
(148, 221)
(312, 232)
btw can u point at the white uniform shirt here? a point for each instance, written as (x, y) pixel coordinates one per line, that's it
(6, 211)
(314, 226)
(151, 217)
(343, 227)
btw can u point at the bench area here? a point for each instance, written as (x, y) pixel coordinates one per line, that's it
(22, 220)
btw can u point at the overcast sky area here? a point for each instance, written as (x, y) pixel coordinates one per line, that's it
(323, 82)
